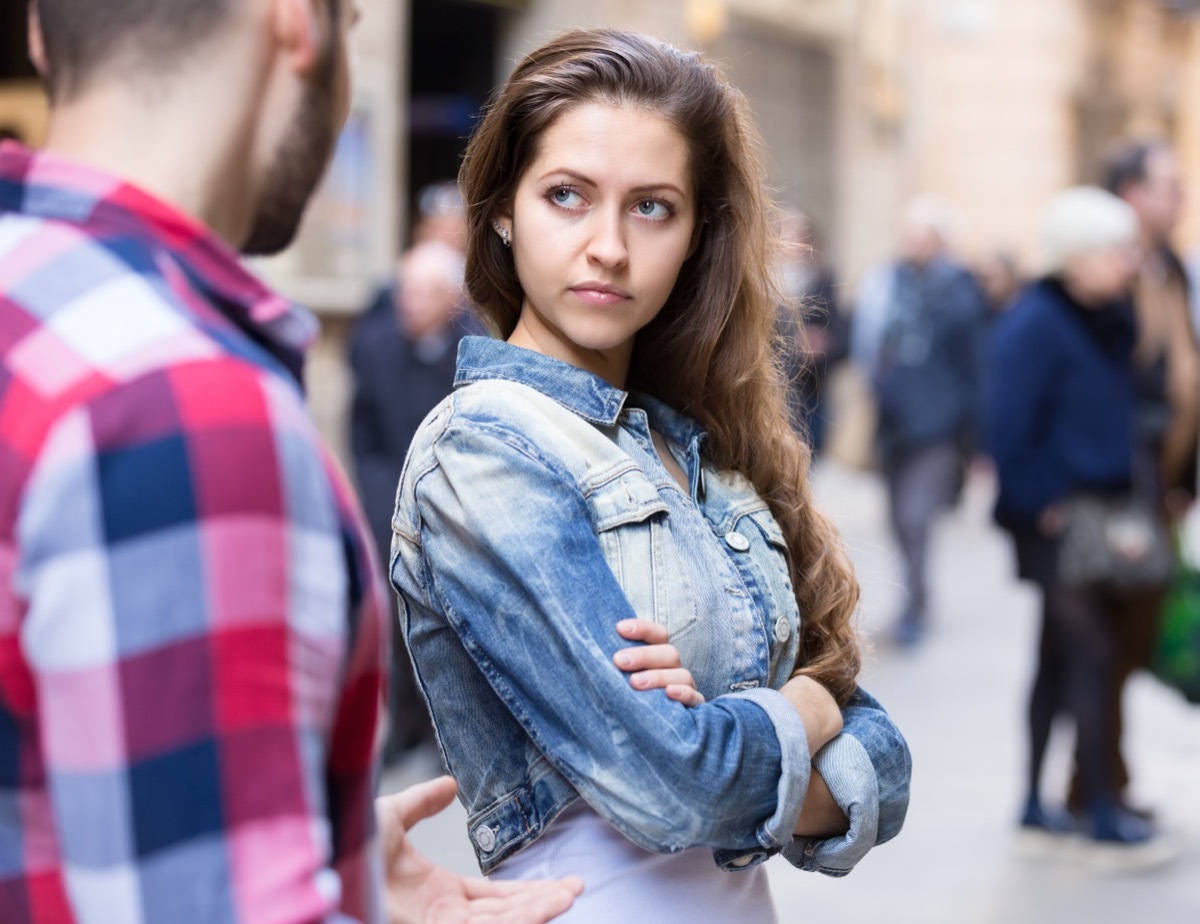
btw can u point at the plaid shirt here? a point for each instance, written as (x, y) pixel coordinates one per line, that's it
(192, 631)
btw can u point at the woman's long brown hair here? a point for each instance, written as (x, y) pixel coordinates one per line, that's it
(712, 352)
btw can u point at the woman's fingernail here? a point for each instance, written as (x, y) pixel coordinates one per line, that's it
(624, 660)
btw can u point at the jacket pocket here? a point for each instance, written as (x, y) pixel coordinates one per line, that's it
(631, 522)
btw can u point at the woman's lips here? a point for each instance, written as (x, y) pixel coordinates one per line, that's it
(598, 294)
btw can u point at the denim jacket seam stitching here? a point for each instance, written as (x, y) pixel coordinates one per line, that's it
(512, 438)
(479, 376)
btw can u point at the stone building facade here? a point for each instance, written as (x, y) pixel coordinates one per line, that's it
(993, 104)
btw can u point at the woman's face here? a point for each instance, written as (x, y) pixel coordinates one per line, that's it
(1103, 274)
(602, 220)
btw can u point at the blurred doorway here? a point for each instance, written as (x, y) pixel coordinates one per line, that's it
(22, 107)
(792, 85)
(452, 57)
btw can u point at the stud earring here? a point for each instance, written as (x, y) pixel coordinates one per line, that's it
(505, 237)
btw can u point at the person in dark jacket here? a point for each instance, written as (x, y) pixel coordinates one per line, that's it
(811, 323)
(1060, 420)
(919, 332)
(402, 354)
(1147, 175)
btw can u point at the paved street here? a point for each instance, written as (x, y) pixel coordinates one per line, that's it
(959, 700)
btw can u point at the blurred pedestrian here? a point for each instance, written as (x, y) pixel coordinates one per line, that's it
(620, 466)
(816, 331)
(1061, 422)
(192, 626)
(918, 332)
(441, 218)
(1147, 176)
(402, 354)
(1000, 281)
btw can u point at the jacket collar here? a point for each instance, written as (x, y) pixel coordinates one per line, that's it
(589, 396)
(482, 359)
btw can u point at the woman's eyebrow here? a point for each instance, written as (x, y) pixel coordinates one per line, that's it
(588, 181)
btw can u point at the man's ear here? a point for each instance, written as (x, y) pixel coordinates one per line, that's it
(37, 44)
(299, 30)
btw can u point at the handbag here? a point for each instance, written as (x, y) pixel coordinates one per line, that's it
(1114, 542)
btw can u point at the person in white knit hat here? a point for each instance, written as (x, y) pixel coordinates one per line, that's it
(1060, 422)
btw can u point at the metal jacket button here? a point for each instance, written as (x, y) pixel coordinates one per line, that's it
(737, 541)
(783, 629)
(485, 837)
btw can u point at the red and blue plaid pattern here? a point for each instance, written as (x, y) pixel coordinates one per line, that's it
(192, 632)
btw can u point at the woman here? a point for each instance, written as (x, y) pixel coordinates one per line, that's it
(1061, 422)
(624, 452)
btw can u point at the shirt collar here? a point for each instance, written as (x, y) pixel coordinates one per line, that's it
(483, 359)
(48, 186)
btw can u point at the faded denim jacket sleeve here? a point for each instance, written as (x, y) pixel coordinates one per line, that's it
(867, 769)
(515, 566)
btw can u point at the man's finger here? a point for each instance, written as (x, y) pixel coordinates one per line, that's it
(523, 902)
(416, 803)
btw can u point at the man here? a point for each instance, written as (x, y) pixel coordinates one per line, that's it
(1147, 175)
(192, 629)
(403, 354)
(918, 332)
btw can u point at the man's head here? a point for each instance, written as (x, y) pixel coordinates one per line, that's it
(926, 228)
(80, 42)
(271, 74)
(1147, 175)
(430, 288)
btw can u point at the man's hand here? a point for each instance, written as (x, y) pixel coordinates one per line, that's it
(420, 893)
(656, 664)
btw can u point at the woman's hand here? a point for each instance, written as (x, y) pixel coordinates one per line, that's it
(656, 664)
(817, 708)
(417, 892)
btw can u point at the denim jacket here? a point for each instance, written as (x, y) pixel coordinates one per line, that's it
(532, 516)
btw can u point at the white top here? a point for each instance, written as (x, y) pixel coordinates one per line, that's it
(623, 882)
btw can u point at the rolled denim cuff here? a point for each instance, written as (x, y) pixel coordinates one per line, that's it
(795, 764)
(848, 772)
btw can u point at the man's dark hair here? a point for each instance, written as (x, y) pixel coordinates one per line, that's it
(1126, 165)
(81, 38)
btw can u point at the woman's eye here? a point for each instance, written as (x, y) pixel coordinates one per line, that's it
(651, 208)
(565, 196)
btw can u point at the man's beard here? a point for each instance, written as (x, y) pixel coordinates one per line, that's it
(298, 167)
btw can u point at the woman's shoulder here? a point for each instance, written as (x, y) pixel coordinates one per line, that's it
(491, 414)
